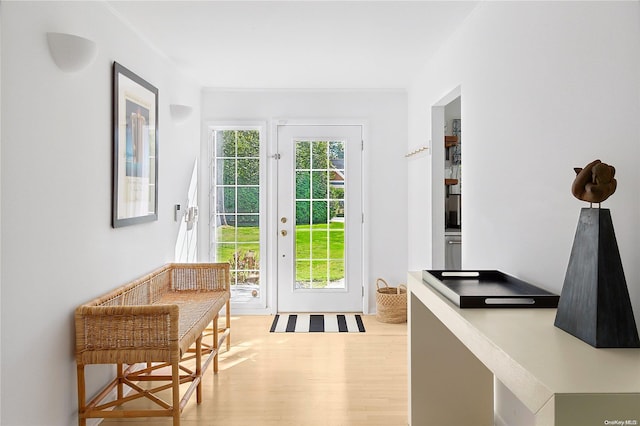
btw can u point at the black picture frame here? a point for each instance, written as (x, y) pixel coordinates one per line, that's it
(135, 149)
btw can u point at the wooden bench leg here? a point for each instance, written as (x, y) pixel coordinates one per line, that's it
(82, 421)
(199, 369)
(175, 377)
(228, 325)
(215, 344)
(119, 371)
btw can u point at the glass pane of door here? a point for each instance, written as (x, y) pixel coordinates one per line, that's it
(236, 209)
(319, 201)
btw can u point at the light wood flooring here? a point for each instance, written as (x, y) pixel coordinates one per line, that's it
(302, 379)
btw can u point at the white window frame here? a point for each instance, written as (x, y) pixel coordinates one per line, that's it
(259, 305)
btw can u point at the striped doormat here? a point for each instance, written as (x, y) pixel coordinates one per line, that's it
(317, 323)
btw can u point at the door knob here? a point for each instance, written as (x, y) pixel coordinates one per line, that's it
(283, 219)
(283, 233)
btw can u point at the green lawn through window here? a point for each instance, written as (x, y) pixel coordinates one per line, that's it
(319, 248)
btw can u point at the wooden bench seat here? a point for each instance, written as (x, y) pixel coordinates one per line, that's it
(150, 325)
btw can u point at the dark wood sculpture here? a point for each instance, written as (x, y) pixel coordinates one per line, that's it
(594, 305)
(595, 183)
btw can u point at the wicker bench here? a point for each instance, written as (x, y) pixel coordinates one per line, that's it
(152, 329)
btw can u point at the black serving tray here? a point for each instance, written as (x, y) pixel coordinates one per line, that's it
(488, 289)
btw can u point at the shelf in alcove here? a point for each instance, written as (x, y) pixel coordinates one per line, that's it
(451, 181)
(450, 141)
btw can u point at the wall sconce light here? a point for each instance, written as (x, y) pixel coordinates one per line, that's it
(180, 113)
(71, 53)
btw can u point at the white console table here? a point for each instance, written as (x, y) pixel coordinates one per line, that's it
(455, 354)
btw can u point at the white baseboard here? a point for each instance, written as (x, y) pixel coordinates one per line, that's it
(497, 420)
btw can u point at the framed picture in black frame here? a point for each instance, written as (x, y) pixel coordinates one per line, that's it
(135, 149)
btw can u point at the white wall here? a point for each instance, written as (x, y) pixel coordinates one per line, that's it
(58, 248)
(385, 165)
(546, 86)
(0, 218)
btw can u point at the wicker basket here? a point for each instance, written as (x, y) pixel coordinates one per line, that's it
(391, 303)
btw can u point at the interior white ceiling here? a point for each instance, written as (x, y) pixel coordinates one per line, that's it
(296, 44)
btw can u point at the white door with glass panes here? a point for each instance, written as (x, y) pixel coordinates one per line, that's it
(319, 218)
